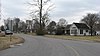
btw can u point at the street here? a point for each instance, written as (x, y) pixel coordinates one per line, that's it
(42, 46)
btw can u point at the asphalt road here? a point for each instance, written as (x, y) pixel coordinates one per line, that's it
(42, 46)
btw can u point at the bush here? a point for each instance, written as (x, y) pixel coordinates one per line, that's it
(40, 32)
(60, 31)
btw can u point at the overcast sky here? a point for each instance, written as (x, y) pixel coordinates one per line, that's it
(71, 10)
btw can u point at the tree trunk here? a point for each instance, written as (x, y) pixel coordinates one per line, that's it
(91, 31)
(41, 15)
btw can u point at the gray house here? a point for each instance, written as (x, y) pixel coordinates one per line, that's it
(78, 29)
(68, 29)
(97, 29)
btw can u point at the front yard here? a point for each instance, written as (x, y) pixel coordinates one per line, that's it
(6, 41)
(65, 37)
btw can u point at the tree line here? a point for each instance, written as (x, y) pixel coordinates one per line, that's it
(40, 14)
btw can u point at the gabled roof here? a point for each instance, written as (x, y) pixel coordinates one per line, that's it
(68, 27)
(81, 25)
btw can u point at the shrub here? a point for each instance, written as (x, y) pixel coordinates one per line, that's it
(2, 35)
(40, 32)
(60, 31)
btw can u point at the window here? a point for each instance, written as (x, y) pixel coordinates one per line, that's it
(81, 31)
(73, 31)
(86, 30)
(73, 27)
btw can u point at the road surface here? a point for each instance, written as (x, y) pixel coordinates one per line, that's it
(42, 46)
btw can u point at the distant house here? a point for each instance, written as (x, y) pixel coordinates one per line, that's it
(29, 25)
(8, 24)
(68, 29)
(97, 29)
(78, 29)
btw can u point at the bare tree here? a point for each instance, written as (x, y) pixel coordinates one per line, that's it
(61, 26)
(41, 11)
(91, 20)
(17, 20)
(62, 22)
(51, 27)
(2, 28)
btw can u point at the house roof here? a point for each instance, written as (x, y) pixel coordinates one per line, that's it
(68, 27)
(81, 25)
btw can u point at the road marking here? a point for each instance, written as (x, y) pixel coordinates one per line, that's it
(77, 54)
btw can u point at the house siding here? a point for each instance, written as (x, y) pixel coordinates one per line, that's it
(84, 32)
(71, 28)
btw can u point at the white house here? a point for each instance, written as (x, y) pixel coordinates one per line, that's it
(79, 29)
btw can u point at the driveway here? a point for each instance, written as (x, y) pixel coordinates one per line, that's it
(42, 46)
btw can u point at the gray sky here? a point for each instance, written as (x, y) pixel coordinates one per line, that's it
(71, 10)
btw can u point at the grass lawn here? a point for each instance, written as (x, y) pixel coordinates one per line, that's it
(32, 34)
(65, 37)
(6, 41)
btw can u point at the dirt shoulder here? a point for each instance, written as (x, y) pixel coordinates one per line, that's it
(6, 41)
